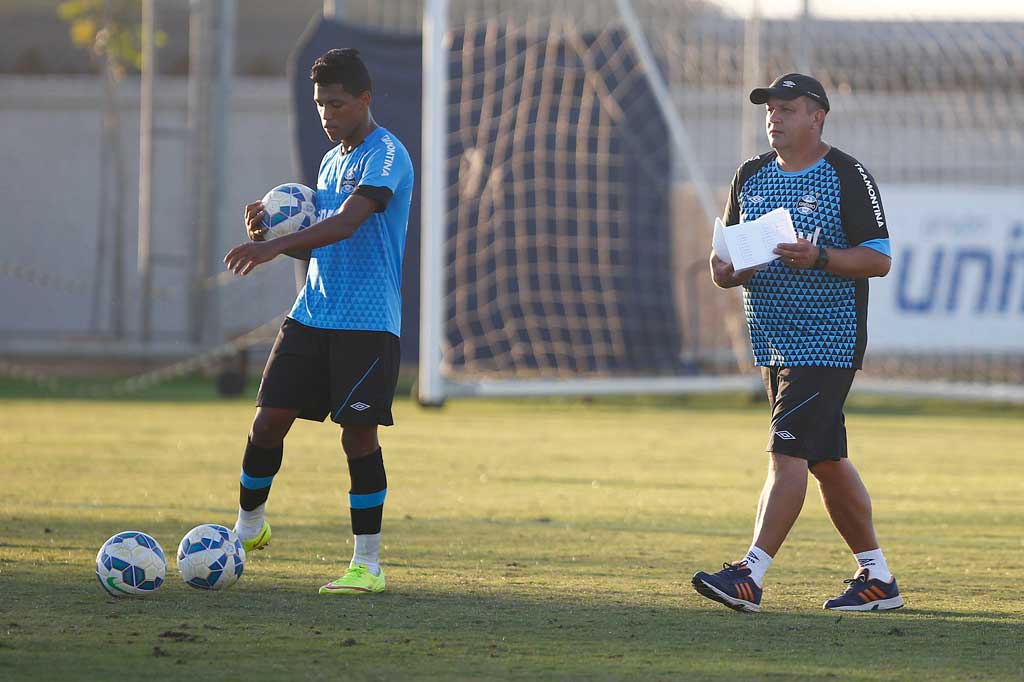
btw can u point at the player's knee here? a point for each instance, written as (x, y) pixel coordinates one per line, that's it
(265, 433)
(269, 428)
(359, 441)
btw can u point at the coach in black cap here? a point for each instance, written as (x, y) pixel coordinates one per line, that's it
(807, 316)
(791, 86)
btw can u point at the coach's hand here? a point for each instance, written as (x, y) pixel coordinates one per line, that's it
(244, 257)
(254, 221)
(725, 275)
(800, 256)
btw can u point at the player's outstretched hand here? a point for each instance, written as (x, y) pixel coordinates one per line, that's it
(253, 221)
(243, 258)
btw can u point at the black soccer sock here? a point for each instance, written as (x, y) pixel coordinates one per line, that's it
(366, 497)
(259, 466)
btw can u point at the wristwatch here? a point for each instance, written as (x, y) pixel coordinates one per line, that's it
(822, 259)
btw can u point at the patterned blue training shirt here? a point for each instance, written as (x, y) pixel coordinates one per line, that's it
(810, 317)
(357, 283)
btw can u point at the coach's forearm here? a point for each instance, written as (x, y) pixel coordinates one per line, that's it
(857, 262)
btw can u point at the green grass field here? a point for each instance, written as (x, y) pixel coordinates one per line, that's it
(524, 540)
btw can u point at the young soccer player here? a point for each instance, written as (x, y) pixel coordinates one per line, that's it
(807, 313)
(337, 352)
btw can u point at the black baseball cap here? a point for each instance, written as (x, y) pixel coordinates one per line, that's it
(791, 86)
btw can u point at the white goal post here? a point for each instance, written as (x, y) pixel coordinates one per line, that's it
(434, 385)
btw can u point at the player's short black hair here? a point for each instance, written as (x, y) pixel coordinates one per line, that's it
(342, 67)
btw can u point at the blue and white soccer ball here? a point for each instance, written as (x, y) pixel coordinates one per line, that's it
(210, 557)
(131, 564)
(288, 208)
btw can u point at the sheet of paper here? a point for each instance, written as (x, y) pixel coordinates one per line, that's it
(718, 241)
(750, 244)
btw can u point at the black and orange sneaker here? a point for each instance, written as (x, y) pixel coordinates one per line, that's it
(866, 594)
(731, 586)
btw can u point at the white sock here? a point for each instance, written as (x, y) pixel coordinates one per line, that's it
(367, 552)
(875, 563)
(758, 562)
(250, 522)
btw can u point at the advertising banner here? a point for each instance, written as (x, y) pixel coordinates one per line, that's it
(957, 278)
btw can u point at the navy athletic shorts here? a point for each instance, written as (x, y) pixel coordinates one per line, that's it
(807, 411)
(348, 374)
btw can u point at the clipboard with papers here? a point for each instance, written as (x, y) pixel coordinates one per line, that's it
(751, 244)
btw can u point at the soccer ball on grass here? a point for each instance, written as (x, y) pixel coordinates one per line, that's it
(210, 557)
(131, 564)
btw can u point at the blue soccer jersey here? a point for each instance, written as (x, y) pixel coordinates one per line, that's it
(357, 283)
(810, 317)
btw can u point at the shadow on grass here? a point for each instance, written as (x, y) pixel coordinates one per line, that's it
(442, 626)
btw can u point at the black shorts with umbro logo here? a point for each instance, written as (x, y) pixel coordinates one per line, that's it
(349, 375)
(807, 411)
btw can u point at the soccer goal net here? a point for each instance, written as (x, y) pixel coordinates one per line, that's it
(576, 151)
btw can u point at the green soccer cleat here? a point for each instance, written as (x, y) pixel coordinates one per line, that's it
(357, 580)
(261, 540)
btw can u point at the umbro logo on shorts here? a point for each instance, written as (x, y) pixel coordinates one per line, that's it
(785, 435)
(359, 407)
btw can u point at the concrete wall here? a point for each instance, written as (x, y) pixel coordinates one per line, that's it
(52, 284)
